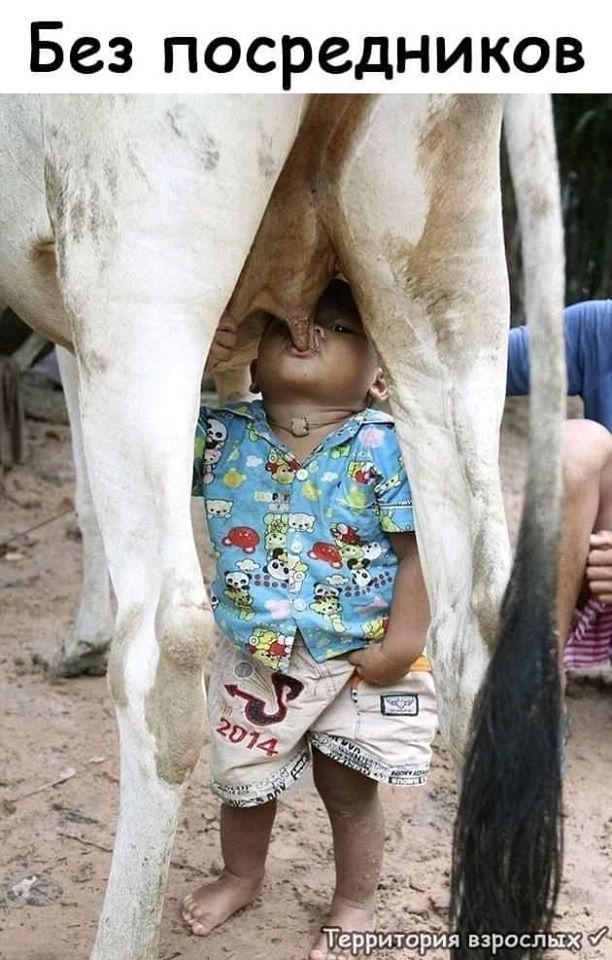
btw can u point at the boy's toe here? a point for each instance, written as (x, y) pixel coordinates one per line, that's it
(187, 906)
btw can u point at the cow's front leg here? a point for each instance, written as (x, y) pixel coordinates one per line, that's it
(138, 440)
(86, 649)
(416, 218)
(155, 202)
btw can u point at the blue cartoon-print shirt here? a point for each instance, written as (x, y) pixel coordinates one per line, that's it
(301, 544)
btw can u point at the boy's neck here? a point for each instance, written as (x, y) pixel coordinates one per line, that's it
(302, 426)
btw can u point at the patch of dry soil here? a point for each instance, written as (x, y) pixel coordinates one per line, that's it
(55, 841)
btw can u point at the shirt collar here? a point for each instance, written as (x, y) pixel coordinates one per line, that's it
(254, 411)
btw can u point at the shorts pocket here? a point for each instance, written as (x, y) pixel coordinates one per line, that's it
(406, 710)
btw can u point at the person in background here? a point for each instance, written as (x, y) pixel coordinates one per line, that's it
(584, 600)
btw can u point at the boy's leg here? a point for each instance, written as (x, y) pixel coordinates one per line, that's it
(245, 837)
(355, 813)
(386, 734)
(258, 749)
(587, 467)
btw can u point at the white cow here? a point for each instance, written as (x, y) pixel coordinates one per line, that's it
(128, 225)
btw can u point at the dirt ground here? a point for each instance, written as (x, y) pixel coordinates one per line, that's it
(58, 779)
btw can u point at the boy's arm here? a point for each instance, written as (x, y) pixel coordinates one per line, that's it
(389, 661)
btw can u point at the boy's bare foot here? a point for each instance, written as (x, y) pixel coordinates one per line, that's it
(349, 917)
(212, 903)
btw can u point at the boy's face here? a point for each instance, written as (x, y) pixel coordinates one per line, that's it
(342, 367)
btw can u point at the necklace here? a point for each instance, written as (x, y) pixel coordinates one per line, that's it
(301, 426)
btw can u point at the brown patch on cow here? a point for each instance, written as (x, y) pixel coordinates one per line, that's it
(52, 323)
(452, 227)
(340, 120)
(174, 707)
(43, 256)
(56, 193)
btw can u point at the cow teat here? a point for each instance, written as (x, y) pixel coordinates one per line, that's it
(302, 331)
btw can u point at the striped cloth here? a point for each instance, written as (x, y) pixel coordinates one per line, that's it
(590, 639)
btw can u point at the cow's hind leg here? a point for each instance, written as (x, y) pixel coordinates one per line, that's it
(86, 650)
(424, 252)
(415, 218)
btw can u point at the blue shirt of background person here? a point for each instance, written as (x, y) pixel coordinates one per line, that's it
(588, 352)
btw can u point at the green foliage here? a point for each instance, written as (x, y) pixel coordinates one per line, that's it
(583, 125)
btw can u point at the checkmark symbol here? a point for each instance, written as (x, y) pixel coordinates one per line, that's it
(596, 938)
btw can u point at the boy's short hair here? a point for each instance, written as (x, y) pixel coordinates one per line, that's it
(337, 296)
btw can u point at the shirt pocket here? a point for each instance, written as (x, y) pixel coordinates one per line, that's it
(355, 504)
(356, 491)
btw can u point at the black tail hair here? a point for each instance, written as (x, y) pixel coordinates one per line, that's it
(508, 841)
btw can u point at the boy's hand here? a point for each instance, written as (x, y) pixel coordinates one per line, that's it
(599, 566)
(223, 344)
(377, 666)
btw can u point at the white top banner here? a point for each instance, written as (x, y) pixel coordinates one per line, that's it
(244, 46)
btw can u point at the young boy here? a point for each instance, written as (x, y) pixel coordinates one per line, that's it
(321, 601)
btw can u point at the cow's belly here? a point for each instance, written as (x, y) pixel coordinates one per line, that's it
(32, 166)
(27, 255)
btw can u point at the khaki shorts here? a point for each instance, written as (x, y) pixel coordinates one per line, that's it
(264, 724)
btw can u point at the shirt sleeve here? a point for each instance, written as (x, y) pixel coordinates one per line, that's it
(588, 356)
(392, 489)
(519, 350)
(198, 451)
(517, 382)
(589, 324)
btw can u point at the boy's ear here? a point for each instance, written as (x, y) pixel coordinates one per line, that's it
(379, 392)
(253, 371)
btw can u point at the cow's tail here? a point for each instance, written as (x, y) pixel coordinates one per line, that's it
(508, 838)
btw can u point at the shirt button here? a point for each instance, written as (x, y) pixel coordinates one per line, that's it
(302, 474)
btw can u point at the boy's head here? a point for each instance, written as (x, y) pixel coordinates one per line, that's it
(341, 370)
